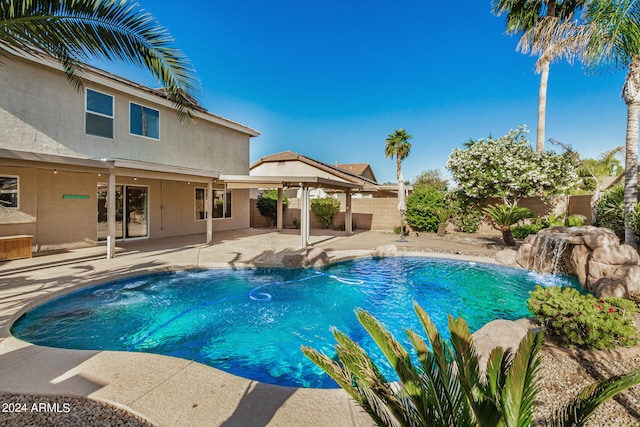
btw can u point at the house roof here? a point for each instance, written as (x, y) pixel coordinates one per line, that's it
(368, 184)
(362, 169)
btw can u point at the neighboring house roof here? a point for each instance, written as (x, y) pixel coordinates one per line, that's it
(362, 169)
(369, 185)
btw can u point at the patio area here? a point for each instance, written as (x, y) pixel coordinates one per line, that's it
(166, 390)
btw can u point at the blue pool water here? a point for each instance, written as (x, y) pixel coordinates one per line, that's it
(252, 322)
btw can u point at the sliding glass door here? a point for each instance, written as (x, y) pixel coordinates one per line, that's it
(132, 213)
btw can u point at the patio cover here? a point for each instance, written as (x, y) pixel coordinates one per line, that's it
(304, 183)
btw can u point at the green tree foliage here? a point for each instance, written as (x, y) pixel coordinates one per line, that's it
(431, 178)
(610, 212)
(325, 209)
(445, 386)
(267, 204)
(75, 31)
(421, 208)
(508, 167)
(466, 212)
(504, 216)
(582, 320)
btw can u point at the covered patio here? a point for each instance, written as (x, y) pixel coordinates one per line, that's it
(305, 183)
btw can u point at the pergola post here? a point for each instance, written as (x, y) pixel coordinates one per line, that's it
(348, 215)
(304, 217)
(279, 211)
(111, 216)
(208, 211)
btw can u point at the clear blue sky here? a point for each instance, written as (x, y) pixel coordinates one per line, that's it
(331, 79)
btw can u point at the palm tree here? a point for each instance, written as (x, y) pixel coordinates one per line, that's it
(75, 31)
(616, 41)
(504, 216)
(531, 19)
(448, 387)
(398, 146)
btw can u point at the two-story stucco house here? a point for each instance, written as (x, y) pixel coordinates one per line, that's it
(67, 156)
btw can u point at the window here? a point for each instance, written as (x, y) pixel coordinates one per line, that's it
(99, 114)
(200, 203)
(8, 192)
(144, 121)
(221, 204)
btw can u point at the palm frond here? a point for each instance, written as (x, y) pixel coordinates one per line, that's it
(74, 31)
(521, 386)
(591, 397)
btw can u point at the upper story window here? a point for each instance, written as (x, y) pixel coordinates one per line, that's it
(8, 191)
(99, 114)
(144, 121)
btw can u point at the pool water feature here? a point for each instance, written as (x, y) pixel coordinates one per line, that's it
(252, 322)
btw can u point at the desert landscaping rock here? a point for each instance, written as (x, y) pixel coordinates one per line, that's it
(593, 254)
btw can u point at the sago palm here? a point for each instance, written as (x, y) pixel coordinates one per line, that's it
(504, 216)
(75, 31)
(445, 385)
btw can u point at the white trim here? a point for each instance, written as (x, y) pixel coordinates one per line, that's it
(112, 117)
(144, 136)
(17, 177)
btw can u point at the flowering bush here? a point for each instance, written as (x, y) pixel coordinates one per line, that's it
(585, 321)
(508, 167)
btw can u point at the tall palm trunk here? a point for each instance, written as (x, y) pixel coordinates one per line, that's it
(631, 94)
(544, 65)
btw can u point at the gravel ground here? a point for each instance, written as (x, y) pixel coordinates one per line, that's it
(56, 411)
(563, 373)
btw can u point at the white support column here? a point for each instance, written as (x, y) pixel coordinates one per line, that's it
(208, 210)
(111, 216)
(280, 211)
(348, 215)
(304, 220)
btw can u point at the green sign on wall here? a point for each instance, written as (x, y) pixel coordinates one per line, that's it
(74, 196)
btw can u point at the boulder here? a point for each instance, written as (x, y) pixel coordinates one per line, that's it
(616, 255)
(507, 257)
(497, 333)
(613, 286)
(578, 261)
(596, 271)
(596, 237)
(593, 254)
(523, 256)
(386, 250)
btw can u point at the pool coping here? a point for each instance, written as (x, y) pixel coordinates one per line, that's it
(161, 389)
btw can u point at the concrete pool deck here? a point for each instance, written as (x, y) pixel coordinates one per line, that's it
(164, 390)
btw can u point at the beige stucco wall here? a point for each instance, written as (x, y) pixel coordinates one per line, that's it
(59, 223)
(41, 112)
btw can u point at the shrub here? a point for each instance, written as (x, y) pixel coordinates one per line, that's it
(296, 222)
(575, 220)
(267, 204)
(585, 321)
(422, 205)
(325, 209)
(522, 231)
(466, 213)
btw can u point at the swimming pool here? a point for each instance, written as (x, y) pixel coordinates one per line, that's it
(252, 322)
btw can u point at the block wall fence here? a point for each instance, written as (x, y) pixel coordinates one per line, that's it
(382, 214)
